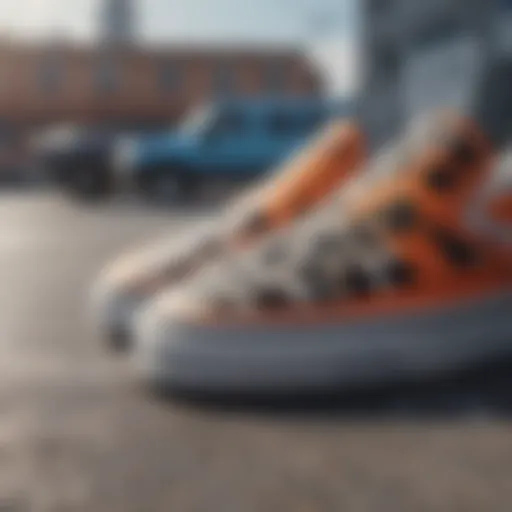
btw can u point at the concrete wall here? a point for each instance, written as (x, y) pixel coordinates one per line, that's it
(393, 36)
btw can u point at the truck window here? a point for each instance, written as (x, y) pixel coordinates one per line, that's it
(290, 124)
(198, 120)
(228, 123)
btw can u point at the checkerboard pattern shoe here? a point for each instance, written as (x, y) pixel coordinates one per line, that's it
(126, 285)
(406, 273)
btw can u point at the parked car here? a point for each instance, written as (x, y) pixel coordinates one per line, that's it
(229, 139)
(78, 158)
(75, 158)
(14, 161)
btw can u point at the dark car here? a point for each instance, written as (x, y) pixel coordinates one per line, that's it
(77, 159)
(14, 155)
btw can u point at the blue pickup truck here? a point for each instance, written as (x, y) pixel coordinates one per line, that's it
(230, 139)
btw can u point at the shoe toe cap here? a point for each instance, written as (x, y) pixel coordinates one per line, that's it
(114, 303)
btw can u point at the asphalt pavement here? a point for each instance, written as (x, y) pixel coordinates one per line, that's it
(78, 434)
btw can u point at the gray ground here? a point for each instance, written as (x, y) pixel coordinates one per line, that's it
(77, 434)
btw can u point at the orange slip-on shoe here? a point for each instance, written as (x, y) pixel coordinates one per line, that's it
(313, 174)
(409, 274)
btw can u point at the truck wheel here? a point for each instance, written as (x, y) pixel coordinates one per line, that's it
(168, 187)
(89, 183)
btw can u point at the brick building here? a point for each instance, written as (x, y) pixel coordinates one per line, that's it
(42, 84)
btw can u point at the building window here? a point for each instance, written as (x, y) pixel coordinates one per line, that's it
(388, 61)
(436, 34)
(224, 80)
(107, 76)
(51, 75)
(380, 7)
(170, 77)
(276, 75)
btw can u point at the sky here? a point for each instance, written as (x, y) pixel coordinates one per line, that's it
(327, 29)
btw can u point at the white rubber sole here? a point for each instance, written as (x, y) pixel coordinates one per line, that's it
(172, 353)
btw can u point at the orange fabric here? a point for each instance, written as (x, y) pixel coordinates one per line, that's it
(501, 209)
(322, 167)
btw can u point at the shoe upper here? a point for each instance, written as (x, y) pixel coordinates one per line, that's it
(281, 198)
(428, 223)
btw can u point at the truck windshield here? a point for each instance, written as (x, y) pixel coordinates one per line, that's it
(58, 136)
(197, 121)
